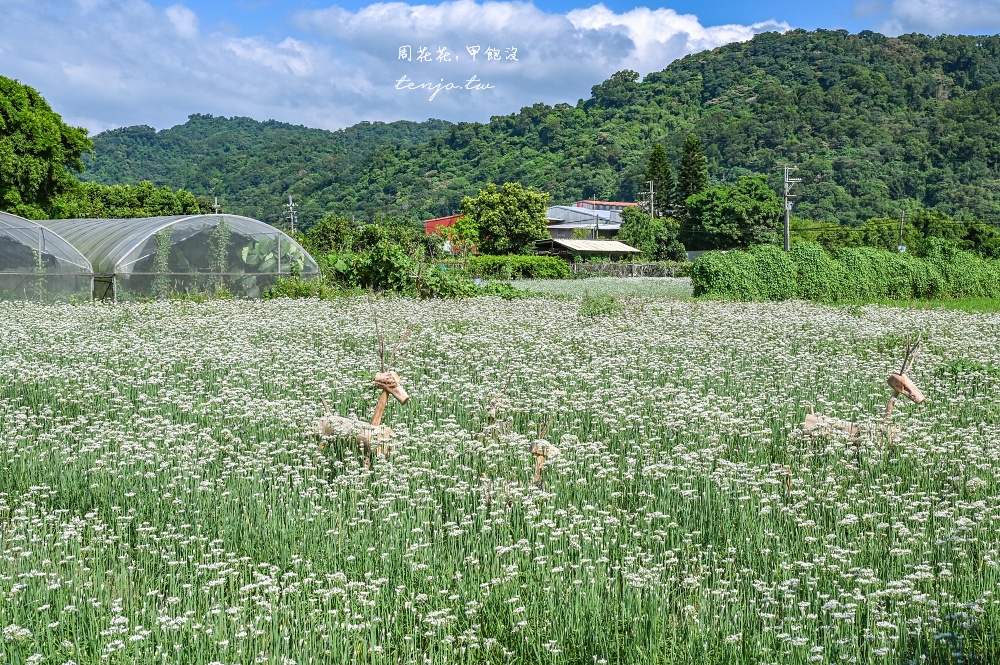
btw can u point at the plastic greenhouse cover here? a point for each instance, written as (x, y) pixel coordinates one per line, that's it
(115, 245)
(67, 260)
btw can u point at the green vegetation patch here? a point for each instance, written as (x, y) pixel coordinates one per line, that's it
(853, 274)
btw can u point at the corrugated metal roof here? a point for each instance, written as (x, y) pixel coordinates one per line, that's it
(605, 226)
(573, 214)
(607, 203)
(603, 246)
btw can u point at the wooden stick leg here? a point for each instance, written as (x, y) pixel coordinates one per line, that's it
(892, 403)
(539, 465)
(380, 408)
(887, 428)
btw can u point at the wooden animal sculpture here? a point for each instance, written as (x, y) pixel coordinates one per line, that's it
(372, 438)
(901, 384)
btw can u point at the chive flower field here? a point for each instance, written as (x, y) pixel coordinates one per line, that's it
(162, 499)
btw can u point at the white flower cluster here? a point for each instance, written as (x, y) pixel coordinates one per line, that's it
(163, 501)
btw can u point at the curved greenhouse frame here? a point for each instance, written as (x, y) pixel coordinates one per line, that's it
(155, 257)
(37, 264)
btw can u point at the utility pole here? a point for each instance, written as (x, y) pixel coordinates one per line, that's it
(788, 204)
(901, 247)
(291, 205)
(216, 207)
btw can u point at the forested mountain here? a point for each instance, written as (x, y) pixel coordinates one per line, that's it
(875, 125)
(251, 166)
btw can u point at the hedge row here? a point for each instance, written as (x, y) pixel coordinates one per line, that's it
(517, 267)
(857, 274)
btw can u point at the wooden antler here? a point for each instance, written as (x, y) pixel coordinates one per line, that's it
(379, 338)
(911, 352)
(399, 345)
(901, 384)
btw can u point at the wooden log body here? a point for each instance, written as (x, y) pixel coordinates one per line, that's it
(372, 438)
(816, 425)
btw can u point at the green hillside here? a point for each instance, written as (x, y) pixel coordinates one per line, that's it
(874, 123)
(251, 166)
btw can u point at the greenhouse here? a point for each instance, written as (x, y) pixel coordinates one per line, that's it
(37, 264)
(156, 257)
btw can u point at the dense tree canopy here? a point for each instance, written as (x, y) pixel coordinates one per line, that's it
(88, 199)
(508, 219)
(739, 215)
(655, 238)
(38, 152)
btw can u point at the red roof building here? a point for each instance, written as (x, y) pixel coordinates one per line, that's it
(438, 223)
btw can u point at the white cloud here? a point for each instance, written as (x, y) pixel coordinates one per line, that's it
(940, 16)
(184, 20)
(107, 63)
(660, 36)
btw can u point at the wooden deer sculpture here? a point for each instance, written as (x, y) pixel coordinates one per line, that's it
(901, 384)
(542, 450)
(372, 438)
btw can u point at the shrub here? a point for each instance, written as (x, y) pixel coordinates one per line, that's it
(817, 275)
(599, 305)
(517, 267)
(867, 274)
(296, 287)
(386, 267)
(857, 274)
(964, 275)
(763, 272)
(773, 271)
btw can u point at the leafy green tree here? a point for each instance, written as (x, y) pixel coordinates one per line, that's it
(333, 233)
(463, 236)
(509, 220)
(658, 172)
(38, 152)
(617, 91)
(655, 238)
(89, 199)
(693, 175)
(983, 239)
(725, 216)
(409, 238)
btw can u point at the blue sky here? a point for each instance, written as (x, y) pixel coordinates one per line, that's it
(272, 17)
(110, 63)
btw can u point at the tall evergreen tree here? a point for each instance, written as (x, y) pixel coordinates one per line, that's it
(693, 176)
(658, 172)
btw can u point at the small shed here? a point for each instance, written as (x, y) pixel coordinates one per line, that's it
(568, 249)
